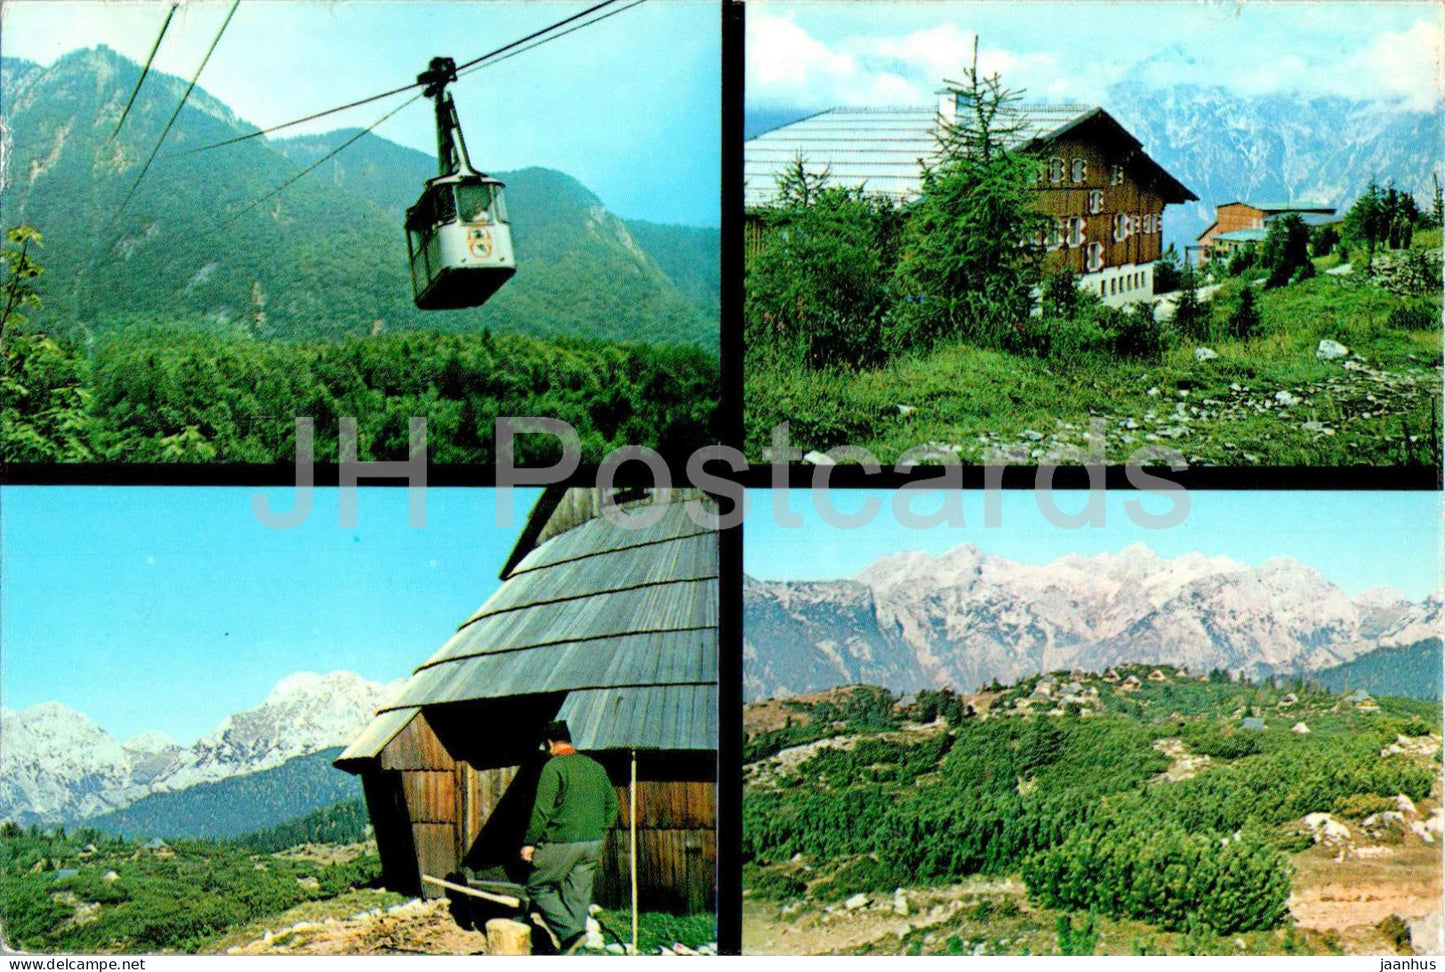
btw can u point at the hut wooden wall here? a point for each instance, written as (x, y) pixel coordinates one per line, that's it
(427, 777)
(676, 847)
(431, 811)
(1066, 198)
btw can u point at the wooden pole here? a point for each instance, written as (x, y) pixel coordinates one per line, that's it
(501, 899)
(632, 828)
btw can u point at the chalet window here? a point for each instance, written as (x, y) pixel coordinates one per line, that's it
(1096, 257)
(1056, 170)
(1054, 235)
(1116, 175)
(1096, 200)
(1074, 229)
(1080, 170)
(1123, 227)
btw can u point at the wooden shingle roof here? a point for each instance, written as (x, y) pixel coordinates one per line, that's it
(621, 621)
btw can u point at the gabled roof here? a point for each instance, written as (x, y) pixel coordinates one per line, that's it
(620, 623)
(1242, 236)
(1282, 207)
(885, 149)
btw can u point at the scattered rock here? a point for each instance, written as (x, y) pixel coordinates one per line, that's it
(1286, 399)
(1330, 350)
(859, 900)
(1327, 830)
(1427, 936)
(1405, 805)
(1300, 728)
(1031, 435)
(819, 459)
(110, 876)
(907, 409)
(900, 902)
(1205, 354)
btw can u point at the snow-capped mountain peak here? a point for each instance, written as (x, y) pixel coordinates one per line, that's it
(966, 617)
(57, 764)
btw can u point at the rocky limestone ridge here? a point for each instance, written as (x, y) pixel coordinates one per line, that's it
(913, 620)
(57, 764)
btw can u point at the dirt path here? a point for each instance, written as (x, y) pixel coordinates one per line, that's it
(771, 929)
(1353, 895)
(411, 928)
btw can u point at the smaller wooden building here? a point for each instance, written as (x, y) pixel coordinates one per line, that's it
(613, 629)
(1241, 224)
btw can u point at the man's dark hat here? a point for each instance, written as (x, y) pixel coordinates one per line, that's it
(557, 731)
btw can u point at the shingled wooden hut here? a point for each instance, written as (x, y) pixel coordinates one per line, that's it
(610, 628)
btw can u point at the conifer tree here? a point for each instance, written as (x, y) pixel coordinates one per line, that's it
(973, 247)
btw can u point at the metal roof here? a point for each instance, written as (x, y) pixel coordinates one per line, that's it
(624, 621)
(1242, 236)
(885, 149)
(1286, 207)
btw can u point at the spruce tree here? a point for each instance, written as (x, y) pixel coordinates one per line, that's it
(1191, 316)
(1365, 223)
(1244, 322)
(973, 246)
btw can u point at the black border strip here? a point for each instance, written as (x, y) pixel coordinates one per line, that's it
(730, 542)
(757, 476)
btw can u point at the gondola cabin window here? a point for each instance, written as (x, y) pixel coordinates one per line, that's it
(480, 204)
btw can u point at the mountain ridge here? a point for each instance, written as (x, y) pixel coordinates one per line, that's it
(202, 242)
(57, 764)
(964, 618)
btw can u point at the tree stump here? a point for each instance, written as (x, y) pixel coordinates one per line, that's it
(508, 937)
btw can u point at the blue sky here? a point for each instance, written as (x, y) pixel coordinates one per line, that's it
(170, 608)
(1358, 540)
(815, 55)
(630, 106)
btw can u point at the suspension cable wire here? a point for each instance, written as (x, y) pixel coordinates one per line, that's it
(473, 65)
(476, 66)
(189, 88)
(144, 71)
(317, 164)
(406, 87)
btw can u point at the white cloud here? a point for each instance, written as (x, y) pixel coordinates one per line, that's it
(1406, 66)
(802, 61)
(788, 66)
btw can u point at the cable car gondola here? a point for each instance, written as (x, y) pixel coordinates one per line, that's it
(457, 234)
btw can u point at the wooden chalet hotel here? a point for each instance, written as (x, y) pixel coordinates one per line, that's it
(1107, 194)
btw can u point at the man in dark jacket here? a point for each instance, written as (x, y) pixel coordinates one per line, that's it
(575, 806)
